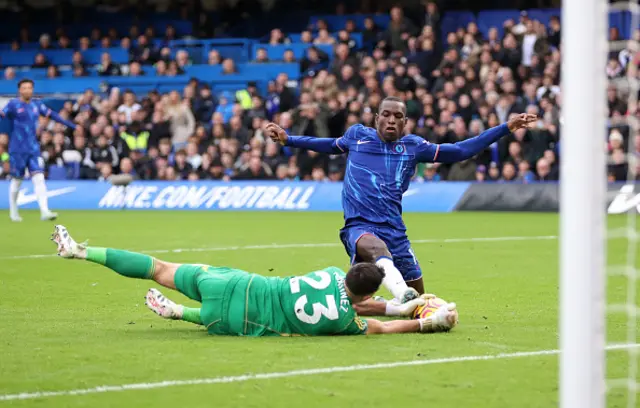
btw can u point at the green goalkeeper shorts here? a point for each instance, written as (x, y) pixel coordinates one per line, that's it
(221, 313)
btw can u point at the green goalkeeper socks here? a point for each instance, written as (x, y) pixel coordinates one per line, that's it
(129, 264)
(191, 314)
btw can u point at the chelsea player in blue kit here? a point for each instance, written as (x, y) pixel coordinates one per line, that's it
(380, 166)
(24, 148)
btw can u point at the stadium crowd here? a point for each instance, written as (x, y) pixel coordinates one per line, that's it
(454, 86)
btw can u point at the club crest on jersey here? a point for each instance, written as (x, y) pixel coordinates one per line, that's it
(20, 110)
(399, 148)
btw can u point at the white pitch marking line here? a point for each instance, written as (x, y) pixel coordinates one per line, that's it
(284, 374)
(309, 245)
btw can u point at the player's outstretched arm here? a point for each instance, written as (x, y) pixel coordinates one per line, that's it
(393, 326)
(451, 153)
(49, 113)
(55, 116)
(444, 319)
(318, 144)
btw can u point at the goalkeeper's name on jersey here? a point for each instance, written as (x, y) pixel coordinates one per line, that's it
(344, 299)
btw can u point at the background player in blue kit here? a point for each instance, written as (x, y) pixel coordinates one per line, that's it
(380, 165)
(24, 147)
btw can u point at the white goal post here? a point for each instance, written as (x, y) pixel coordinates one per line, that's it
(582, 204)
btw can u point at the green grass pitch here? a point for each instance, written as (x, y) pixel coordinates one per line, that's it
(68, 325)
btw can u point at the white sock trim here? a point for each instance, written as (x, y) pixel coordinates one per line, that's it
(14, 191)
(40, 189)
(393, 280)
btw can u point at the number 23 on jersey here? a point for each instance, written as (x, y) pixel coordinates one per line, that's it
(330, 311)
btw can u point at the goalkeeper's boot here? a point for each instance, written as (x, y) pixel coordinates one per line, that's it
(49, 216)
(409, 295)
(67, 247)
(443, 320)
(162, 306)
(15, 218)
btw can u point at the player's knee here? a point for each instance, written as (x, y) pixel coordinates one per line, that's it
(370, 248)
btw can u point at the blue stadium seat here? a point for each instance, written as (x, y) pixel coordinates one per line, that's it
(57, 173)
(622, 21)
(73, 170)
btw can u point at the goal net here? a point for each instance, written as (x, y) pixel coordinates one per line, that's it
(599, 249)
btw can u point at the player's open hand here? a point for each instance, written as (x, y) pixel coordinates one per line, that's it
(276, 133)
(520, 121)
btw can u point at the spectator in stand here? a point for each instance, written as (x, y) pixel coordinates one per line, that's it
(481, 174)
(161, 68)
(108, 67)
(225, 106)
(314, 61)
(193, 157)
(256, 170)
(40, 61)
(182, 59)
(261, 55)
(64, 43)
(52, 72)
(289, 56)
(277, 37)
(214, 58)
(181, 119)
(509, 173)
(306, 37)
(135, 70)
(525, 175)
(129, 105)
(324, 38)
(9, 73)
(77, 60)
(229, 67)
(169, 35)
(182, 167)
(204, 105)
(126, 167)
(102, 155)
(84, 44)
(399, 31)
(45, 42)
(543, 170)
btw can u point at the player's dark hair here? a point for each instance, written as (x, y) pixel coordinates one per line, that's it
(364, 279)
(25, 81)
(394, 99)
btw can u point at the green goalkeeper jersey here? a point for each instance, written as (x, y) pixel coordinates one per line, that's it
(315, 304)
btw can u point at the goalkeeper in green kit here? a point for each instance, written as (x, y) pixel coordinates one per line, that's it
(239, 303)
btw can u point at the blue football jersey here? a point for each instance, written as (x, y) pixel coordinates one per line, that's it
(378, 173)
(24, 120)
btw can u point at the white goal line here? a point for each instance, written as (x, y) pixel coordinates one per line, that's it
(307, 245)
(283, 374)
